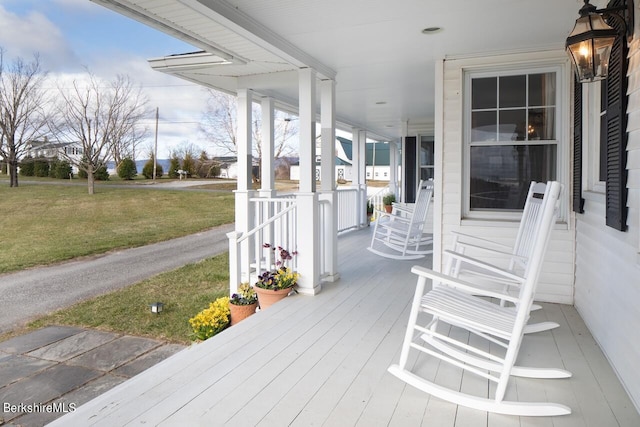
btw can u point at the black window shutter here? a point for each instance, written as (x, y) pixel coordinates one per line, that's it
(578, 201)
(616, 123)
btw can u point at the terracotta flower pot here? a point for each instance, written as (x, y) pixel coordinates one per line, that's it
(241, 312)
(267, 297)
(388, 208)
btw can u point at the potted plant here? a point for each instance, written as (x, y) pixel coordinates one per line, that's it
(387, 201)
(274, 285)
(369, 211)
(243, 303)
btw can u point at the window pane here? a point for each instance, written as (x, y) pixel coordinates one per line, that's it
(426, 173)
(483, 126)
(512, 125)
(542, 89)
(484, 92)
(500, 175)
(513, 91)
(426, 153)
(542, 123)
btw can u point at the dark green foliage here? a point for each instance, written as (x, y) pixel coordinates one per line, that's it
(63, 170)
(101, 174)
(189, 165)
(147, 170)
(26, 166)
(53, 164)
(127, 169)
(174, 165)
(41, 167)
(213, 170)
(60, 169)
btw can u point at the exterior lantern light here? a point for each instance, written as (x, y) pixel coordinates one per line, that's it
(591, 41)
(156, 307)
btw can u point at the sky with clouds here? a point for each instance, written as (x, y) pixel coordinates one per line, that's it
(72, 35)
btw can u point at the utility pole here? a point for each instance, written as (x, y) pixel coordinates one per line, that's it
(155, 146)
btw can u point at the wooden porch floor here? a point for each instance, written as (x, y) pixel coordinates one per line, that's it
(322, 361)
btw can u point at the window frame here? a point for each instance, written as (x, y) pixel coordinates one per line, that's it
(561, 134)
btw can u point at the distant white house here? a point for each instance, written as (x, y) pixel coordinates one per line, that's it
(229, 167)
(53, 149)
(377, 161)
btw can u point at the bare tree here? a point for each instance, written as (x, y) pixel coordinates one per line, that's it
(22, 109)
(128, 144)
(219, 126)
(99, 115)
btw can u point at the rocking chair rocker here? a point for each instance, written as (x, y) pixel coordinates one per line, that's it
(457, 303)
(399, 234)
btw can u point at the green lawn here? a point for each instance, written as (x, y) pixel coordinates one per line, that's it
(184, 291)
(43, 224)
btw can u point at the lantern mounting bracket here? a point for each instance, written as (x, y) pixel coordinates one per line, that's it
(622, 13)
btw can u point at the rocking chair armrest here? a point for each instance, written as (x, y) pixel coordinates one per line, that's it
(481, 240)
(459, 284)
(401, 207)
(493, 251)
(380, 214)
(505, 274)
(383, 214)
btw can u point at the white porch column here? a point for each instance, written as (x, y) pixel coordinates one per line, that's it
(328, 134)
(356, 164)
(328, 178)
(307, 199)
(244, 211)
(403, 162)
(361, 142)
(393, 167)
(267, 174)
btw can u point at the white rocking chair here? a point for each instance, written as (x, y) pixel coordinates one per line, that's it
(456, 303)
(460, 264)
(399, 234)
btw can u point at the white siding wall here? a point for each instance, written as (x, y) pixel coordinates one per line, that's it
(607, 292)
(557, 279)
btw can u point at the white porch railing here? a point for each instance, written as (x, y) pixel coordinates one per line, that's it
(348, 209)
(376, 199)
(324, 218)
(276, 225)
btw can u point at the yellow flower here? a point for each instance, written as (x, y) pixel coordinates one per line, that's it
(211, 320)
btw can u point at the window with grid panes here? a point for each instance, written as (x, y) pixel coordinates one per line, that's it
(512, 137)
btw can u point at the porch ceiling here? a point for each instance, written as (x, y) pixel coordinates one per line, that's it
(383, 65)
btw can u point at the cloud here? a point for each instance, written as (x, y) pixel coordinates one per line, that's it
(76, 5)
(70, 34)
(33, 33)
(180, 103)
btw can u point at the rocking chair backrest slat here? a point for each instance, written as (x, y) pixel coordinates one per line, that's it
(419, 217)
(538, 233)
(526, 232)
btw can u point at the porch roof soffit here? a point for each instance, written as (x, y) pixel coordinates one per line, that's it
(238, 52)
(237, 44)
